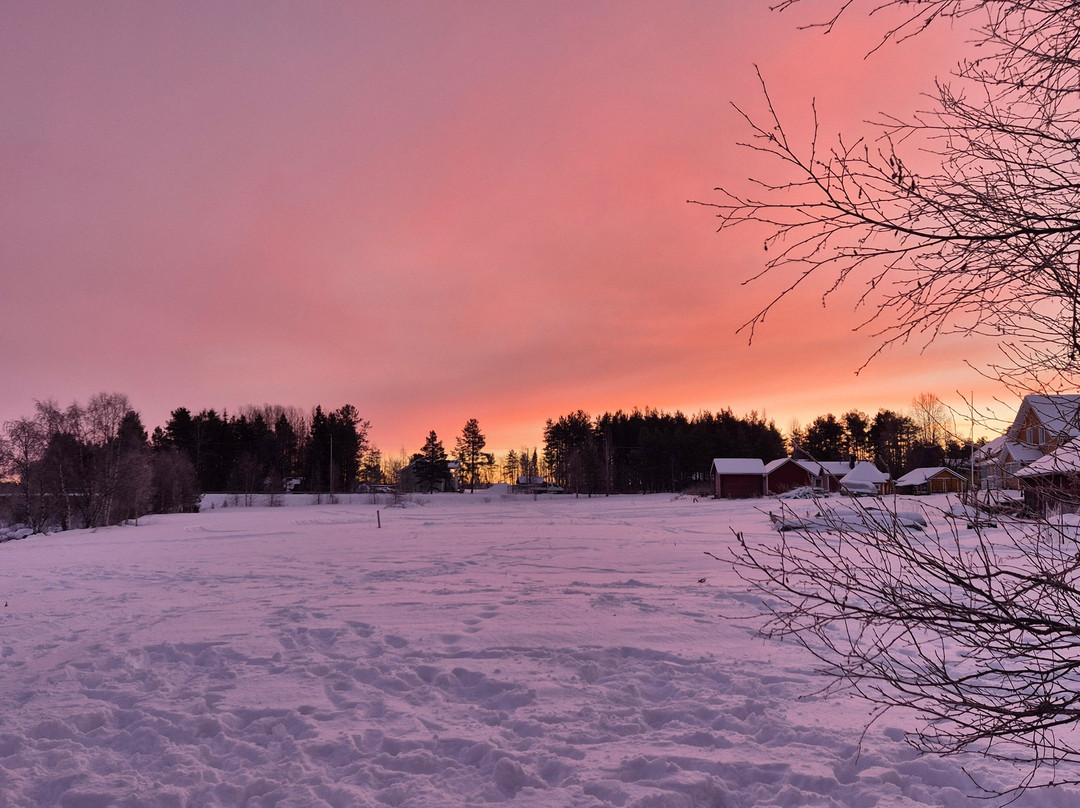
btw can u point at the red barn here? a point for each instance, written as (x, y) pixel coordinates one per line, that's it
(788, 473)
(739, 477)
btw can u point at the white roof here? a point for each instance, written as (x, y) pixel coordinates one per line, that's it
(865, 471)
(837, 468)
(1021, 453)
(773, 465)
(738, 465)
(923, 475)
(995, 450)
(1065, 460)
(991, 450)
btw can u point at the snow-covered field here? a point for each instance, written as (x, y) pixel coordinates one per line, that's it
(473, 649)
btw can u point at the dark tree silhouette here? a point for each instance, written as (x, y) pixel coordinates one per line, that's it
(979, 637)
(470, 453)
(430, 467)
(962, 217)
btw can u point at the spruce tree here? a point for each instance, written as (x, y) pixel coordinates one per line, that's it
(470, 452)
(430, 464)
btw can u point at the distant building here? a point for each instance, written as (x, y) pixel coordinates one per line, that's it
(1051, 484)
(866, 478)
(414, 477)
(535, 485)
(826, 476)
(739, 477)
(788, 473)
(937, 480)
(1043, 424)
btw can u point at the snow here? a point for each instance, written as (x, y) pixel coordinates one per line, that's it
(1057, 413)
(738, 465)
(867, 472)
(1063, 460)
(921, 476)
(832, 514)
(475, 649)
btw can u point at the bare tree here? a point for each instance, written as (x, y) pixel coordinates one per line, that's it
(980, 638)
(246, 478)
(26, 446)
(933, 420)
(393, 466)
(962, 217)
(175, 485)
(102, 416)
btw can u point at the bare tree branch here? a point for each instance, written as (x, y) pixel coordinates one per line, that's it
(964, 218)
(979, 637)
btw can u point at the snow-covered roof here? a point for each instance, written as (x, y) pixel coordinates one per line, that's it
(1021, 453)
(1065, 460)
(773, 465)
(924, 475)
(738, 465)
(837, 468)
(991, 450)
(1003, 448)
(865, 471)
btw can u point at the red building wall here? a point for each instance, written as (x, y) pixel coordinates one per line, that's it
(786, 477)
(740, 486)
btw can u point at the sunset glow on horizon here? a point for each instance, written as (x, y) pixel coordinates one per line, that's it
(432, 211)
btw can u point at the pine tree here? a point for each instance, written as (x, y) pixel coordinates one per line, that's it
(430, 466)
(470, 452)
(511, 467)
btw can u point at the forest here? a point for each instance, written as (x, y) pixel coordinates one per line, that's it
(651, 451)
(94, 464)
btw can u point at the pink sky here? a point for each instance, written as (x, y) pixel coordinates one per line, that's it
(433, 211)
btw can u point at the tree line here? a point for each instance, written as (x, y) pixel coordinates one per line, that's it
(896, 442)
(94, 464)
(655, 451)
(650, 451)
(269, 448)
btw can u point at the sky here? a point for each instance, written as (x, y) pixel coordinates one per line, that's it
(434, 211)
